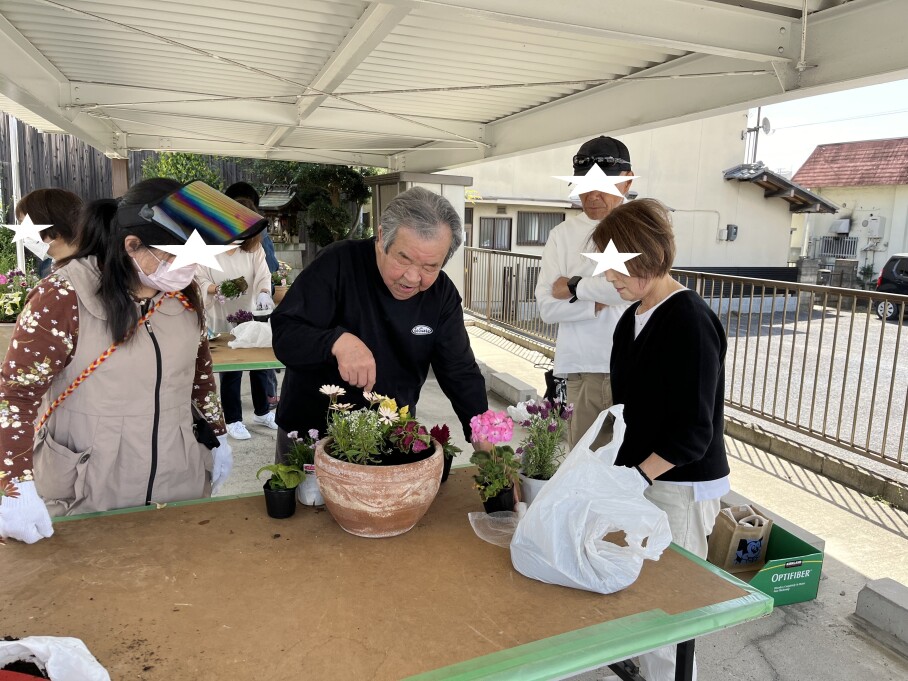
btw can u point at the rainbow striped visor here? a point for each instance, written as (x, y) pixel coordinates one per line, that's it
(195, 206)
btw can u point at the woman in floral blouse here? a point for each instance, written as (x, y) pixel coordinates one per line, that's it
(123, 437)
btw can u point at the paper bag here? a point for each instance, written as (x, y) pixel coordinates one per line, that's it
(739, 539)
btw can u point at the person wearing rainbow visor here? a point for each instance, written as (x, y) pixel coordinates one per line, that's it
(106, 358)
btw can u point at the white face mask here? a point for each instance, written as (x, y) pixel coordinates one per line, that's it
(164, 278)
(39, 248)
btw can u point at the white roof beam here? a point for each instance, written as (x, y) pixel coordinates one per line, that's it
(370, 29)
(637, 104)
(689, 25)
(33, 82)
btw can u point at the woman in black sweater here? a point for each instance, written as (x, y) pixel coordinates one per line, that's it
(668, 370)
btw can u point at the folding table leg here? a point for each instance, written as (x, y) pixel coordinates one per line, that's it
(684, 661)
(627, 671)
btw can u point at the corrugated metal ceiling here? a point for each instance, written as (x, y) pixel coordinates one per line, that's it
(412, 84)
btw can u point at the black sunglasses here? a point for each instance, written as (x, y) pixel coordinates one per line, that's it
(582, 160)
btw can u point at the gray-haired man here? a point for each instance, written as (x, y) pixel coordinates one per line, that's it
(375, 314)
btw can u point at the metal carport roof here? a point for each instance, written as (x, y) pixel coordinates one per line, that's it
(420, 85)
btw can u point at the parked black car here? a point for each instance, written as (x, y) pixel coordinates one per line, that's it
(893, 279)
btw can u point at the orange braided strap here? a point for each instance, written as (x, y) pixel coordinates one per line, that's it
(90, 369)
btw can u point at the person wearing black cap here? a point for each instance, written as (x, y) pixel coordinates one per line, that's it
(586, 308)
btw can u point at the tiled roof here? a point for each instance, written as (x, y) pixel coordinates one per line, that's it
(855, 164)
(776, 186)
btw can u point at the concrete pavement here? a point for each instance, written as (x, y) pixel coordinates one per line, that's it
(865, 539)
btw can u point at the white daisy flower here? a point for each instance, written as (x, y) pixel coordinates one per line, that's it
(332, 390)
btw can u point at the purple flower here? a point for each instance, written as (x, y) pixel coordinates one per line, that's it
(553, 427)
(532, 409)
(519, 450)
(313, 434)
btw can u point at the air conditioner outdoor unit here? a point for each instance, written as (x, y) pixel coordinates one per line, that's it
(840, 226)
(875, 224)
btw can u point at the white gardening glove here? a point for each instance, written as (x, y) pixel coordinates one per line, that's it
(223, 463)
(265, 302)
(25, 517)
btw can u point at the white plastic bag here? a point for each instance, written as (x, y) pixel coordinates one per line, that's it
(251, 335)
(63, 658)
(560, 540)
(308, 493)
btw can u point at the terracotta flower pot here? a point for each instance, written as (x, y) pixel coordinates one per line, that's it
(279, 293)
(377, 501)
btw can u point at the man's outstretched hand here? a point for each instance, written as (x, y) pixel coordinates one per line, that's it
(355, 361)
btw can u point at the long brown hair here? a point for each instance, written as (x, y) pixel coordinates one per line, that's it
(641, 226)
(249, 245)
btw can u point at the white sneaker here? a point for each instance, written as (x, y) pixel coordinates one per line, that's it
(267, 420)
(238, 431)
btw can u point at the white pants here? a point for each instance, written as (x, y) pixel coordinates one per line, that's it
(691, 522)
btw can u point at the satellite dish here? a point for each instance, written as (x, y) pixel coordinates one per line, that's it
(765, 126)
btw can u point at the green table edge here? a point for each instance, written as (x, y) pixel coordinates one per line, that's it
(245, 366)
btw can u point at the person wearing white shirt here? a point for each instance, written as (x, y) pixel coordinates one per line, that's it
(586, 308)
(247, 261)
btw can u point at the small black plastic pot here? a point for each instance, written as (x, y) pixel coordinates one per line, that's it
(280, 503)
(503, 501)
(446, 470)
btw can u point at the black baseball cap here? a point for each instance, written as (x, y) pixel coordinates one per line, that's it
(608, 153)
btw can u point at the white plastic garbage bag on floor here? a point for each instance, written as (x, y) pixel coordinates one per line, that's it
(63, 658)
(560, 539)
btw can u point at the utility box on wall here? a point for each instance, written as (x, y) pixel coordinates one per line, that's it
(875, 226)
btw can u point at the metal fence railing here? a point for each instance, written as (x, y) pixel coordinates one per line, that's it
(815, 359)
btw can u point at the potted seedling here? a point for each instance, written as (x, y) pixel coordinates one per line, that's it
(542, 450)
(496, 467)
(280, 488)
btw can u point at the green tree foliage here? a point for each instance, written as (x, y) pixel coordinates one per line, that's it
(331, 195)
(182, 168)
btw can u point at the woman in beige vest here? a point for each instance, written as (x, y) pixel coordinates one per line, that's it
(124, 436)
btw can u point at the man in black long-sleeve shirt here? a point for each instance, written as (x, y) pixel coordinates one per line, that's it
(375, 315)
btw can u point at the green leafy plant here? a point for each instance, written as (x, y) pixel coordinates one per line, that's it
(377, 434)
(283, 475)
(182, 168)
(496, 468)
(232, 288)
(542, 450)
(14, 288)
(496, 471)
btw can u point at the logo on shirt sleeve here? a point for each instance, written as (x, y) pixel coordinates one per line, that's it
(421, 330)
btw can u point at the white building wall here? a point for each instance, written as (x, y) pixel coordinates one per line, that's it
(682, 166)
(860, 203)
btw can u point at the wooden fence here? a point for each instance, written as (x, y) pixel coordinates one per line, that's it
(64, 161)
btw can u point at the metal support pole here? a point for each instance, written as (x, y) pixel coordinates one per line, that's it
(16, 187)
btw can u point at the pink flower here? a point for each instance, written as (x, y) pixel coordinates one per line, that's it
(492, 427)
(3, 279)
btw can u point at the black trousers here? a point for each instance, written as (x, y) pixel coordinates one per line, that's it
(230, 393)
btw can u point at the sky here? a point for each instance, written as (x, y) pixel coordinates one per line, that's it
(868, 113)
